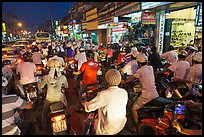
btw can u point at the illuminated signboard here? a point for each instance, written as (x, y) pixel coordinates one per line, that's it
(149, 5)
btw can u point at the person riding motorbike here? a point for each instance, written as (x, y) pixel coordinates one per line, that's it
(170, 56)
(61, 60)
(54, 81)
(9, 104)
(111, 104)
(36, 57)
(146, 77)
(26, 70)
(89, 70)
(180, 69)
(191, 51)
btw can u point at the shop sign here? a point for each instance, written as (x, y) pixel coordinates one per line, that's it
(161, 32)
(182, 32)
(3, 27)
(149, 5)
(118, 29)
(136, 18)
(148, 17)
(124, 19)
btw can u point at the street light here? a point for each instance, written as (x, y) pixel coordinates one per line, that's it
(19, 24)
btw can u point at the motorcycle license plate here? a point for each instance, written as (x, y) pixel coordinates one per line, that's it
(59, 126)
(32, 94)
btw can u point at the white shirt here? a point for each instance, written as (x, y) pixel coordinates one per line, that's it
(27, 71)
(195, 75)
(180, 69)
(111, 104)
(37, 57)
(81, 58)
(131, 67)
(54, 87)
(61, 60)
(170, 56)
(146, 78)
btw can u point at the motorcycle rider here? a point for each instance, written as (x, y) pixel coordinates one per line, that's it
(170, 56)
(191, 51)
(36, 57)
(27, 71)
(9, 104)
(146, 77)
(54, 81)
(111, 104)
(89, 70)
(61, 60)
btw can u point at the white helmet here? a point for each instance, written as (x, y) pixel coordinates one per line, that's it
(113, 77)
(198, 57)
(142, 58)
(4, 81)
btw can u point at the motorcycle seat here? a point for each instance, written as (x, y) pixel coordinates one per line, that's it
(56, 107)
(157, 104)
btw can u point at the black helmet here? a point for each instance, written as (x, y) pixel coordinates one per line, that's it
(35, 49)
(89, 54)
(54, 52)
(27, 56)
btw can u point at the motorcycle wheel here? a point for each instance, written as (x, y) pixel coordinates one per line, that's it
(145, 129)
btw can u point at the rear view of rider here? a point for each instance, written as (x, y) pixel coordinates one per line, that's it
(36, 57)
(111, 104)
(89, 70)
(26, 70)
(146, 77)
(54, 81)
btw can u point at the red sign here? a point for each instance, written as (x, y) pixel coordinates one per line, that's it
(148, 17)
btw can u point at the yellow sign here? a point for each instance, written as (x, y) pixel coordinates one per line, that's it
(3, 27)
(182, 32)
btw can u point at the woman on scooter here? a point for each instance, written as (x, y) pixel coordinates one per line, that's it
(54, 81)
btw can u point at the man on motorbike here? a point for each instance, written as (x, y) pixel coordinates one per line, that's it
(9, 104)
(27, 70)
(36, 57)
(111, 104)
(89, 70)
(191, 51)
(170, 56)
(146, 77)
(54, 81)
(81, 57)
(131, 67)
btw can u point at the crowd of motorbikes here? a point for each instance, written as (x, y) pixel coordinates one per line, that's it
(155, 117)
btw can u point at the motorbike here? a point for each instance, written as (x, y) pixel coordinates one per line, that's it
(162, 125)
(58, 122)
(90, 93)
(30, 92)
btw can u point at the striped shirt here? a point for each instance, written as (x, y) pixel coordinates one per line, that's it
(9, 103)
(127, 58)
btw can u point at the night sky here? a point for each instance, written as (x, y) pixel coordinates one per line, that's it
(34, 13)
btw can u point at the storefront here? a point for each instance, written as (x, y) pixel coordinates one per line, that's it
(181, 29)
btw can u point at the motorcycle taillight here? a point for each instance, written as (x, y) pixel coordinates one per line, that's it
(58, 118)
